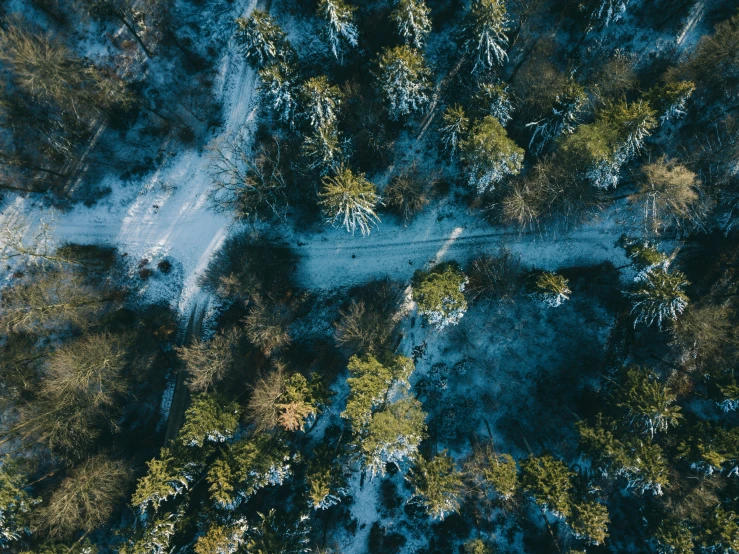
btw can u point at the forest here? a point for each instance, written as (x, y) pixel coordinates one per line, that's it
(369, 277)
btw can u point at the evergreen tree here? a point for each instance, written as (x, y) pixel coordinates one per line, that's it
(495, 474)
(721, 532)
(484, 33)
(156, 537)
(325, 480)
(393, 436)
(320, 102)
(644, 255)
(609, 455)
(208, 419)
(495, 100)
(551, 288)
(368, 381)
(659, 296)
(477, 546)
(453, 128)
(647, 470)
(341, 28)
(439, 294)
(279, 90)
(262, 40)
(563, 119)
(349, 200)
(634, 122)
(247, 466)
(674, 537)
(648, 404)
(670, 100)
(548, 481)
(590, 521)
(165, 479)
(437, 485)
(404, 81)
(490, 154)
(278, 533)
(413, 21)
(222, 539)
(15, 504)
(605, 12)
(322, 151)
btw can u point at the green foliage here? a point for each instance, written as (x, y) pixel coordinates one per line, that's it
(454, 127)
(278, 533)
(349, 200)
(165, 479)
(413, 22)
(477, 546)
(341, 29)
(208, 419)
(644, 254)
(368, 381)
(439, 294)
(649, 404)
(437, 485)
(490, 155)
(484, 33)
(393, 435)
(590, 521)
(502, 475)
(548, 481)
(15, 504)
(551, 288)
(674, 537)
(320, 102)
(659, 296)
(721, 532)
(221, 539)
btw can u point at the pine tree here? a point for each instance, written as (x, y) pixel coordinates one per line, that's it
(659, 296)
(165, 479)
(674, 537)
(325, 480)
(437, 485)
(393, 436)
(477, 546)
(262, 40)
(322, 151)
(644, 255)
(485, 33)
(278, 533)
(368, 381)
(341, 28)
(551, 288)
(247, 466)
(721, 532)
(670, 100)
(590, 521)
(222, 539)
(495, 474)
(156, 536)
(439, 294)
(605, 12)
(279, 90)
(320, 102)
(647, 470)
(413, 21)
(606, 451)
(495, 99)
(15, 504)
(634, 122)
(349, 200)
(490, 154)
(548, 481)
(404, 81)
(563, 119)
(454, 127)
(208, 419)
(648, 404)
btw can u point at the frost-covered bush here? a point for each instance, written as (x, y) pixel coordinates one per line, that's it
(349, 201)
(551, 288)
(404, 81)
(490, 155)
(341, 28)
(484, 33)
(439, 294)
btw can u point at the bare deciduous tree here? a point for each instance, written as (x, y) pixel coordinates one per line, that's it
(207, 362)
(248, 183)
(86, 498)
(267, 324)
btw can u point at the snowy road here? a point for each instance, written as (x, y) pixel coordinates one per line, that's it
(335, 258)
